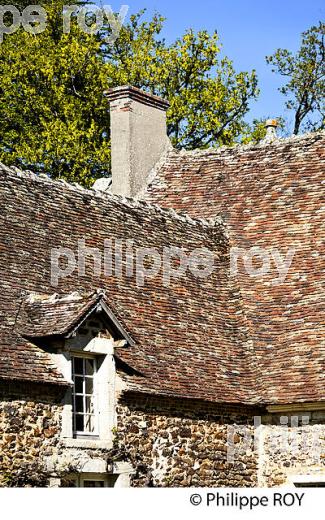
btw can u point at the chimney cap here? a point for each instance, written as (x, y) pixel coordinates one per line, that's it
(136, 94)
(271, 126)
(271, 122)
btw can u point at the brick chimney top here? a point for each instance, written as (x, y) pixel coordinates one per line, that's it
(135, 94)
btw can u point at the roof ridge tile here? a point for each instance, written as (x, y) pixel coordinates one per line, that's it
(129, 202)
(293, 139)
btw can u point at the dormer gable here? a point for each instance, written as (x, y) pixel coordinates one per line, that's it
(57, 319)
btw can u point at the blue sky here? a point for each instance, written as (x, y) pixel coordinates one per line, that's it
(249, 30)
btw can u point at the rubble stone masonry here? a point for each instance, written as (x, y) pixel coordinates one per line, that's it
(29, 431)
(289, 453)
(178, 443)
(167, 442)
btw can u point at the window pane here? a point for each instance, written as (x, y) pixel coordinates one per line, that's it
(89, 385)
(78, 386)
(89, 367)
(89, 423)
(79, 423)
(79, 404)
(94, 483)
(84, 410)
(78, 365)
(90, 405)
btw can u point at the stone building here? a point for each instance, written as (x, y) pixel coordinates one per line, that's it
(167, 328)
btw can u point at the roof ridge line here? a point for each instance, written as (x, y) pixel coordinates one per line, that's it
(242, 147)
(128, 202)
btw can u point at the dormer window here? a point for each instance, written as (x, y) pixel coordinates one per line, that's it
(84, 393)
(81, 334)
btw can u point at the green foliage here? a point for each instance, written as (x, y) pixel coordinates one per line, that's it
(305, 76)
(256, 131)
(52, 110)
(208, 98)
(54, 117)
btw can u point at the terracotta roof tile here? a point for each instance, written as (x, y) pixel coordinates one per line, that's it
(271, 196)
(190, 337)
(50, 315)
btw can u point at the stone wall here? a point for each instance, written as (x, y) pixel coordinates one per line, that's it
(29, 431)
(183, 443)
(32, 450)
(168, 442)
(165, 442)
(287, 451)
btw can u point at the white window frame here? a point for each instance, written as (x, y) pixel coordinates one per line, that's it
(78, 433)
(107, 384)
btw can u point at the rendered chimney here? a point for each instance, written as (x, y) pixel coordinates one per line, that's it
(138, 137)
(271, 126)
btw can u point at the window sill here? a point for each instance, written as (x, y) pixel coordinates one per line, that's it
(96, 444)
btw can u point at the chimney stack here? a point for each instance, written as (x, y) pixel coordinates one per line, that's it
(138, 137)
(271, 126)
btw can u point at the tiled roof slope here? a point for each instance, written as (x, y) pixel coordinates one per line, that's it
(43, 315)
(271, 196)
(52, 316)
(190, 337)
